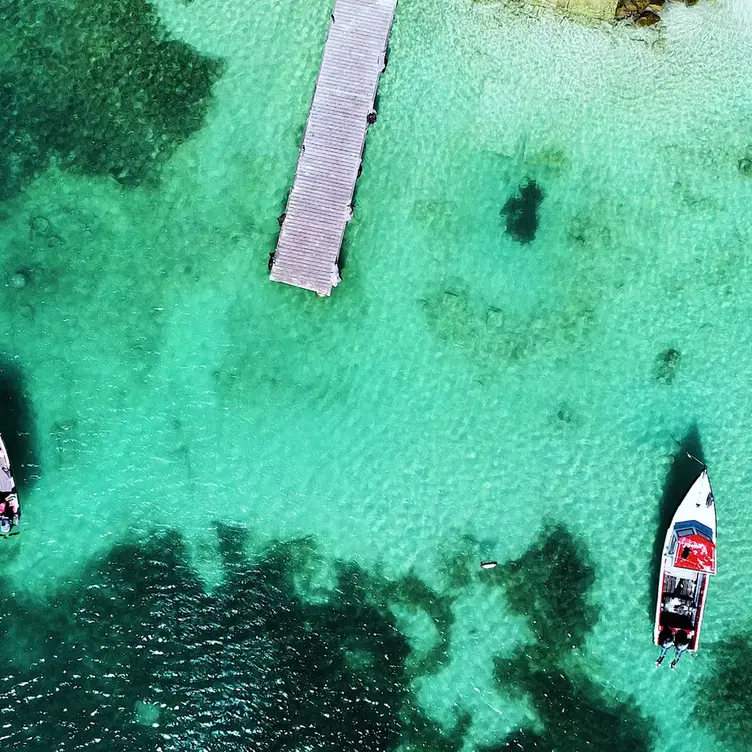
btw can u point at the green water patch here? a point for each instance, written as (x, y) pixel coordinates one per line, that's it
(257, 367)
(724, 704)
(480, 196)
(513, 288)
(140, 652)
(68, 438)
(99, 89)
(494, 335)
(79, 267)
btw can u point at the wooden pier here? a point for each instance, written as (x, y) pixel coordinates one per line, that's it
(320, 202)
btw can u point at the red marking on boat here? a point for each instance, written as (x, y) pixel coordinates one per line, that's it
(696, 553)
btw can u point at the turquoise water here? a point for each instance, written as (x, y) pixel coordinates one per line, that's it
(459, 395)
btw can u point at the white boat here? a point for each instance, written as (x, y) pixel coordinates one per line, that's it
(689, 560)
(10, 510)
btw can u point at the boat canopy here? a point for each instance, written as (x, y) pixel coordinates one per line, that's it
(693, 547)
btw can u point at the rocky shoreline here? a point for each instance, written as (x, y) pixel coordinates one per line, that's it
(644, 12)
(640, 12)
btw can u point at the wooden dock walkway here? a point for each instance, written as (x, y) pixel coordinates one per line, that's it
(320, 202)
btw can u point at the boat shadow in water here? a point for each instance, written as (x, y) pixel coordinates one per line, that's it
(18, 425)
(681, 475)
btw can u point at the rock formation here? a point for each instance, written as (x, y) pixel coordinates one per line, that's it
(640, 12)
(644, 12)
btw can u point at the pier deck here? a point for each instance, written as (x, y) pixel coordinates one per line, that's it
(320, 202)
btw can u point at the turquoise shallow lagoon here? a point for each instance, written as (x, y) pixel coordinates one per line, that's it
(459, 396)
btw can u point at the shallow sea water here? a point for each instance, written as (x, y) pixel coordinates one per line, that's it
(457, 394)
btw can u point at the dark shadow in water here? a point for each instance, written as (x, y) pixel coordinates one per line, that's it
(137, 640)
(114, 95)
(345, 247)
(412, 593)
(18, 425)
(576, 714)
(724, 703)
(550, 584)
(521, 211)
(667, 365)
(344, 252)
(681, 475)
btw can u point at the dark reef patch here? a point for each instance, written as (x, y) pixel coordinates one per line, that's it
(724, 703)
(575, 713)
(460, 568)
(521, 211)
(667, 365)
(98, 88)
(550, 585)
(17, 424)
(493, 336)
(411, 592)
(681, 475)
(138, 639)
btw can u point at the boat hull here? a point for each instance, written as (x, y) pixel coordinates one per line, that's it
(687, 563)
(10, 510)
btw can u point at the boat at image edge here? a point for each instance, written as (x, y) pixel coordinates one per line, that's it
(10, 510)
(689, 560)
